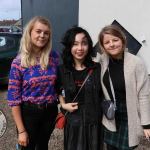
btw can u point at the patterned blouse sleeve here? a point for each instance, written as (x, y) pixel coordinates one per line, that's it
(55, 58)
(15, 84)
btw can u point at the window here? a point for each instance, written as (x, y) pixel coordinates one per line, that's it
(6, 43)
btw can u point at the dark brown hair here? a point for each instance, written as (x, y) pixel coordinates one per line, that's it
(68, 41)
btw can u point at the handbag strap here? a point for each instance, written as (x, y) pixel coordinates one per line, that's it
(112, 88)
(89, 73)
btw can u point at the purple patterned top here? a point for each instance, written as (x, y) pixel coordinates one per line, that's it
(33, 84)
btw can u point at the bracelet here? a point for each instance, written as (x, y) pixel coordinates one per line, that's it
(22, 132)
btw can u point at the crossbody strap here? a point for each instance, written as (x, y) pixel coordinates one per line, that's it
(89, 73)
(112, 89)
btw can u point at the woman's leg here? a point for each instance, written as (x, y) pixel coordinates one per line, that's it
(47, 126)
(31, 120)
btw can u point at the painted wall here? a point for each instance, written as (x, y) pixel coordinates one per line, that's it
(132, 14)
(62, 13)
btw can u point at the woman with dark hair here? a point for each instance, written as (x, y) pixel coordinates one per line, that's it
(82, 129)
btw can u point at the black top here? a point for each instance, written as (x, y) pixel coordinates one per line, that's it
(79, 77)
(117, 76)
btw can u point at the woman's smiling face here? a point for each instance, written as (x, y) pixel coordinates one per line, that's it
(40, 35)
(113, 45)
(80, 47)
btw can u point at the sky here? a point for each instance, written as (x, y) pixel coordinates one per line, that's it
(10, 9)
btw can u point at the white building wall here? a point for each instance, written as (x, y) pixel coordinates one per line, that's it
(133, 15)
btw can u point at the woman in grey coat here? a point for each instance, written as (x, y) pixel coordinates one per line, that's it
(131, 87)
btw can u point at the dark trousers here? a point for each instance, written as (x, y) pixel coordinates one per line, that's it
(39, 123)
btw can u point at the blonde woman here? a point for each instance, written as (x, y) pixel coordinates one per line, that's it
(31, 90)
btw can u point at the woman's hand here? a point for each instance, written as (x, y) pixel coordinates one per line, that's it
(147, 134)
(71, 107)
(23, 139)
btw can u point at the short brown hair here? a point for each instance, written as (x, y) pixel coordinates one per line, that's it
(112, 30)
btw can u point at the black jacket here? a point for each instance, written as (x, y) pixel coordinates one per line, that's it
(93, 91)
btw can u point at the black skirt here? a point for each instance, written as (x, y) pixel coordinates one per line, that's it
(81, 132)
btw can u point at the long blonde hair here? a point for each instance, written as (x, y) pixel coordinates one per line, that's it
(26, 46)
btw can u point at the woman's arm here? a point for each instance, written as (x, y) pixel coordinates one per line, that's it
(22, 134)
(143, 85)
(15, 99)
(16, 112)
(143, 92)
(71, 107)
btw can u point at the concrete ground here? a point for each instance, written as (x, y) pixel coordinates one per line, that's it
(8, 140)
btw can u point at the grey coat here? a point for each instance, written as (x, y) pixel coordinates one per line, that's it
(137, 96)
